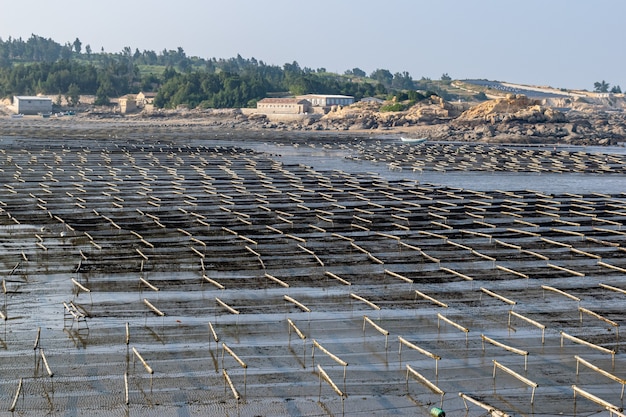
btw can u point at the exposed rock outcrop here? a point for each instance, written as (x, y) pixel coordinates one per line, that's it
(512, 108)
(515, 118)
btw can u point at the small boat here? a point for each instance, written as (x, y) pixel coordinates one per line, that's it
(413, 140)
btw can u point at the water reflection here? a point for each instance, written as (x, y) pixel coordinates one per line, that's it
(552, 183)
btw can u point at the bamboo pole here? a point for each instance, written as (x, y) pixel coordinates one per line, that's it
(606, 265)
(252, 251)
(609, 287)
(554, 242)
(413, 346)
(198, 241)
(340, 236)
(17, 396)
(126, 397)
(143, 362)
(140, 253)
(584, 342)
(511, 271)
(533, 322)
(297, 303)
(491, 410)
(338, 278)
(330, 355)
(357, 247)
(458, 274)
(226, 306)
(401, 226)
(296, 238)
(459, 245)
(73, 311)
(277, 280)
(324, 375)
(595, 399)
(507, 245)
(309, 251)
(369, 303)
(434, 388)
(17, 265)
(37, 338)
(293, 326)
(213, 333)
(197, 252)
(523, 232)
(80, 286)
(319, 229)
(549, 288)
(570, 271)
(378, 329)
(497, 296)
(406, 245)
(506, 347)
(230, 384)
(511, 372)
(241, 363)
(45, 362)
(212, 281)
(567, 232)
(388, 236)
(458, 326)
(599, 317)
(601, 372)
(153, 308)
(147, 284)
(430, 258)
(482, 255)
(428, 297)
(402, 277)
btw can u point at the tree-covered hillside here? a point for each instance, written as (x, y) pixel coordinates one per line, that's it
(42, 66)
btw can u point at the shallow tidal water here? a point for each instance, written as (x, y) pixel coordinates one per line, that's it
(162, 248)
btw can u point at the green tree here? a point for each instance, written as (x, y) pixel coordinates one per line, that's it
(169, 73)
(383, 76)
(616, 89)
(77, 45)
(402, 81)
(292, 69)
(102, 98)
(394, 107)
(66, 51)
(601, 87)
(73, 95)
(105, 89)
(358, 72)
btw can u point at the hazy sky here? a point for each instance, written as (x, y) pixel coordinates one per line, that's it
(561, 43)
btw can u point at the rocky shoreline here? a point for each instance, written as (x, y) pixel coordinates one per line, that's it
(512, 119)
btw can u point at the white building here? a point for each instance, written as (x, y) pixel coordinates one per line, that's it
(32, 104)
(283, 106)
(327, 100)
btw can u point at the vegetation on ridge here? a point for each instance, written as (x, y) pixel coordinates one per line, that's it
(43, 66)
